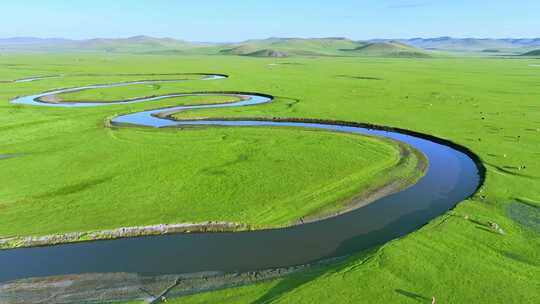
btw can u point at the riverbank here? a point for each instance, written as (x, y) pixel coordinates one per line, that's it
(385, 183)
(124, 232)
(99, 288)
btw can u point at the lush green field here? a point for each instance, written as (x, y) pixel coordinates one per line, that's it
(489, 105)
(73, 173)
(129, 91)
(118, 94)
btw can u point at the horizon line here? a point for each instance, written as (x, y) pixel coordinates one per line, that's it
(269, 37)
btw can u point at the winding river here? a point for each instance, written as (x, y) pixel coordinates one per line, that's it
(453, 175)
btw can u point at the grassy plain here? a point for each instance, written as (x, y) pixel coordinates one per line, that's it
(489, 105)
(72, 173)
(118, 94)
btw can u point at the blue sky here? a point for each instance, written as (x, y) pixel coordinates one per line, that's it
(234, 20)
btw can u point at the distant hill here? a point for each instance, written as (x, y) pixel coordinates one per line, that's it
(389, 49)
(471, 44)
(491, 51)
(31, 41)
(293, 46)
(455, 44)
(268, 53)
(238, 50)
(277, 47)
(247, 50)
(535, 53)
(131, 44)
(271, 47)
(136, 43)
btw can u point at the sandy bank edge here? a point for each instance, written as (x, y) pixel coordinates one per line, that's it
(120, 287)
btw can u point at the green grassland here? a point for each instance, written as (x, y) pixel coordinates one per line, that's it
(136, 91)
(95, 179)
(488, 105)
(72, 173)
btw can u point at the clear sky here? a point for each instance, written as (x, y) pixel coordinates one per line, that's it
(234, 20)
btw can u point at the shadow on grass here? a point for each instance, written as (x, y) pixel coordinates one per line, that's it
(520, 258)
(286, 285)
(486, 229)
(291, 282)
(367, 245)
(359, 77)
(414, 296)
(74, 188)
(525, 213)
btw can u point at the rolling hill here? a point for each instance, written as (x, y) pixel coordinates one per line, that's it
(247, 50)
(268, 53)
(273, 47)
(135, 44)
(534, 53)
(472, 44)
(276, 47)
(292, 46)
(389, 49)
